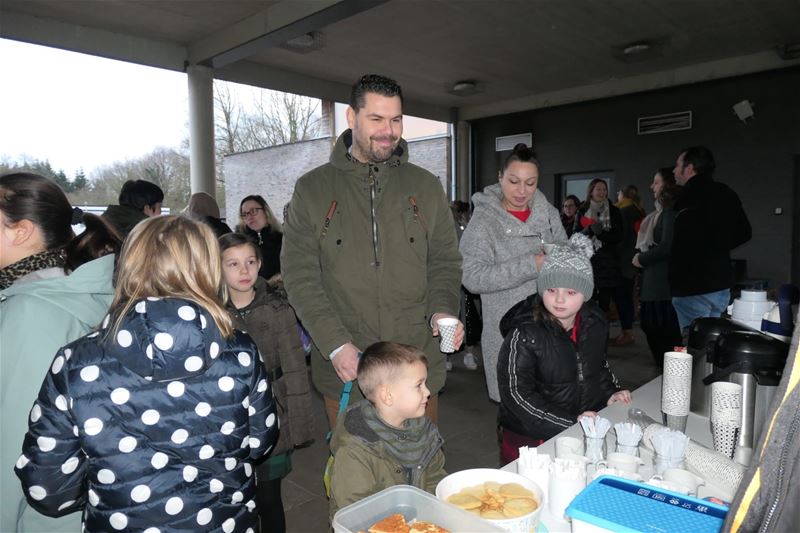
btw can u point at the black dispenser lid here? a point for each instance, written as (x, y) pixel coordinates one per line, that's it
(748, 352)
(704, 331)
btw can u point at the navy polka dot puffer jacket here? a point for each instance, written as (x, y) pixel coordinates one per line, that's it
(153, 429)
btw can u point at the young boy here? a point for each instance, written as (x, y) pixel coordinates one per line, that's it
(386, 440)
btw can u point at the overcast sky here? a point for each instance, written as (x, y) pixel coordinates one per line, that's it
(83, 111)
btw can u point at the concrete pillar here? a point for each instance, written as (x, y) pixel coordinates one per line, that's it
(463, 159)
(201, 129)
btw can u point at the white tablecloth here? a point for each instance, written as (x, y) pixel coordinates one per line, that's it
(648, 398)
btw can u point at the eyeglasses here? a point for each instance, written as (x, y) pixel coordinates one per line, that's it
(253, 212)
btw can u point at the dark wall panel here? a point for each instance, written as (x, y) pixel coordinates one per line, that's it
(756, 158)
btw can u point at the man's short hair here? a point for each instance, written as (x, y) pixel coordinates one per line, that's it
(373, 83)
(140, 193)
(382, 362)
(701, 158)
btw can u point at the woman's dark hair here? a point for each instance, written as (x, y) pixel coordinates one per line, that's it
(574, 199)
(521, 153)
(98, 239)
(590, 188)
(28, 196)
(232, 240)
(667, 176)
(668, 195)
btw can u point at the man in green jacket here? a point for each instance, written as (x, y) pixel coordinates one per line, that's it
(370, 251)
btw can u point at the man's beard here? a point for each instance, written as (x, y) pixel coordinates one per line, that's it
(379, 154)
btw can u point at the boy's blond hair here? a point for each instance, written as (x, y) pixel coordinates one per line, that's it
(170, 256)
(381, 362)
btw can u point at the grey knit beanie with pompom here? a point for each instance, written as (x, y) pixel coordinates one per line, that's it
(568, 266)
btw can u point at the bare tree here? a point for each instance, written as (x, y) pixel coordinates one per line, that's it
(282, 118)
(275, 118)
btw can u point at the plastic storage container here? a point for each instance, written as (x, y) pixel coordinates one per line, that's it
(622, 506)
(413, 504)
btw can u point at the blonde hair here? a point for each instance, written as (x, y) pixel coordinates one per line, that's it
(170, 256)
(381, 362)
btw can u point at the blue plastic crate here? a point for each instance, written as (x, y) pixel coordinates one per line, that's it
(625, 506)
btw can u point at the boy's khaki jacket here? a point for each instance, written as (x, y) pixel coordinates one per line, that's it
(363, 466)
(348, 283)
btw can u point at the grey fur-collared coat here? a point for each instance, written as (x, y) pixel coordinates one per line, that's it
(499, 262)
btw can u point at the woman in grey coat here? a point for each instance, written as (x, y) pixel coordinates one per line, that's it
(502, 249)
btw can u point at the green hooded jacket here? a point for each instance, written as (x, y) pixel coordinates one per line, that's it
(363, 463)
(36, 319)
(370, 254)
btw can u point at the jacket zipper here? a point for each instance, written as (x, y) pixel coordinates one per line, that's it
(418, 216)
(328, 216)
(377, 263)
(781, 471)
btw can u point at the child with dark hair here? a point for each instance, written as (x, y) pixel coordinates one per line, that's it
(259, 307)
(386, 440)
(552, 366)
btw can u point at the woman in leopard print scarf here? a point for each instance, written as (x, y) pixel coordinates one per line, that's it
(53, 289)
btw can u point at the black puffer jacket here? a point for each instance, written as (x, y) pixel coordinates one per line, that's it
(157, 426)
(546, 381)
(606, 260)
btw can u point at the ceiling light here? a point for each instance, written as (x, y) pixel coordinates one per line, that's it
(306, 42)
(636, 48)
(463, 86)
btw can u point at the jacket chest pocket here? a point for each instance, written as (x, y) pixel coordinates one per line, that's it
(331, 240)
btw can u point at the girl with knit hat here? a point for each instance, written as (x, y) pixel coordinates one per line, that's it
(552, 367)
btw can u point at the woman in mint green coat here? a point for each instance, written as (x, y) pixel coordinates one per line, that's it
(54, 288)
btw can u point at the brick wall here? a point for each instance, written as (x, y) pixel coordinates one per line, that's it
(272, 172)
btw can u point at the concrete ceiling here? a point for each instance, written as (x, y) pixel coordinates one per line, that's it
(521, 54)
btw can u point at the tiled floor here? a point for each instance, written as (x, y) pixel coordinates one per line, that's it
(467, 423)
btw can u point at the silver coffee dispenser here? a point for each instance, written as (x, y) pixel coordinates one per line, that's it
(755, 361)
(703, 334)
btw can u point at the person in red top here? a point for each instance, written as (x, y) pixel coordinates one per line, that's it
(552, 367)
(502, 247)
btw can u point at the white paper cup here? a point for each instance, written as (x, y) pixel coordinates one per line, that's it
(562, 491)
(447, 334)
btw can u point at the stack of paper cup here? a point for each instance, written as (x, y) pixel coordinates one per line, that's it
(676, 389)
(726, 415)
(567, 479)
(447, 334)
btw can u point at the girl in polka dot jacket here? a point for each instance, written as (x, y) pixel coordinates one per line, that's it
(153, 422)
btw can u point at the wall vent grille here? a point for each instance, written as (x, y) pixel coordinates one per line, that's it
(681, 120)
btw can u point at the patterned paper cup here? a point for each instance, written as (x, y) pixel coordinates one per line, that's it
(447, 334)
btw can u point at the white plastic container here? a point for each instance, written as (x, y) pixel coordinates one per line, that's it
(413, 504)
(476, 476)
